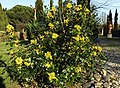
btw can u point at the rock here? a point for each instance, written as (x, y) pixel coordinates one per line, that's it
(98, 85)
(87, 85)
(106, 85)
(110, 83)
(97, 76)
(115, 82)
(104, 72)
(112, 77)
(92, 78)
(119, 82)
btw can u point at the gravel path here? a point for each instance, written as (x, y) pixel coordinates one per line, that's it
(111, 50)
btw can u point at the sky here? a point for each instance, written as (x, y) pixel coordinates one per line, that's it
(105, 5)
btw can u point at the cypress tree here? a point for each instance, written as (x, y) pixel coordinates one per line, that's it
(39, 9)
(3, 19)
(116, 20)
(51, 3)
(110, 17)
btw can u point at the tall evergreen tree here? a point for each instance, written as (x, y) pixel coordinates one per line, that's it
(39, 9)
(3, 19)
(116, 20)
(51, 3)
(110, 17)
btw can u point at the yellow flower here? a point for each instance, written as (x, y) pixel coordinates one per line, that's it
(88, 64)
(78, 69)
(99, 48)
(82, 39)
(37, 51)
(53, 9)
(27, 63)
(52, 76)
(42, 37)
(94, 53)
(69, 5)
(51, 25)
(83, 50)
(19, 61)
(9, 28)
(16, 43)
(96, 48)
(46, 32)
(33, 41)
(87, 10)
(48, 55)
(11, 34)
(77, 38)
(78, 7)
(49, 15)
(66, 21)
(77, 27)
(54, 35)
(48, 65)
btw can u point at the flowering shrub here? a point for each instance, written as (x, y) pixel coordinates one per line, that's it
(62, 54)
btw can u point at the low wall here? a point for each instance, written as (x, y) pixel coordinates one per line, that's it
(22, 36)
(116, 33)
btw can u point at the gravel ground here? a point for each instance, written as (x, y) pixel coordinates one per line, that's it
(111, 50)
(113, 60)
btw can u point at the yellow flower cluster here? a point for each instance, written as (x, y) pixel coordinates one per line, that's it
(69, 6)
(53, 10)
(33, 41)
(48, 55)
(10, 30)
(46, 32)
(52, 76)
(51, 25)
(19, 60)
(37, 51)
(48, 65)
(66, 21)
(94, 53)
(16, 43)
(96, 48)
(87, 10)
(54, 35)
(49, 15)
(27, 62)
(78, 7)
(78, 69)
(77, 27)
(79, 38)
(42, 37)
